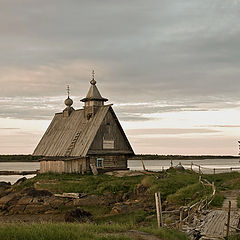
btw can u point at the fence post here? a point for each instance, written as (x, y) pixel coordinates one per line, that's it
(188, 214)
(171, 164)
(214, 171)
(199, 170)
(144, 168)
(228, 219)
(180, 218)
(191, 165)
(159, 209)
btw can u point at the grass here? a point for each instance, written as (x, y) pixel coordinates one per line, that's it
(167, 182)
(79, 232)
(170, 182)
(235, 237)
(193, 193)
(218, 200)
(225, 181)
(97, 185)
(131, 218)
(165, 233)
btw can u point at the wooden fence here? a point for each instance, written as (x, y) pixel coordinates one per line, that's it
(186, 212)
(213, 170)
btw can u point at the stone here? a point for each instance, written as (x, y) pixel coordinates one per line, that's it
(5, 185)
(78, 215)
(36, 193)
(20, 181)
(120, 208)
(36, 209)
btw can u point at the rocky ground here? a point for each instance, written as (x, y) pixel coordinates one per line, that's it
(38, 205)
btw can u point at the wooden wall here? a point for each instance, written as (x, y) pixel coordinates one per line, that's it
(114, 162)
(82, 165)
(61, 166)
(109, 131)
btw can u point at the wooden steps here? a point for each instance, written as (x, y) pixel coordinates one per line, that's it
(72, 145)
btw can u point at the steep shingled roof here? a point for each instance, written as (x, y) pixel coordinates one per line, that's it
(62, 131)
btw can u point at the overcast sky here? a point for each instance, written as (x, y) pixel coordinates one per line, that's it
(171, 68)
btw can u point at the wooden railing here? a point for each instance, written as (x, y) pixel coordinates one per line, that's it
(189, 210)
(214, 170)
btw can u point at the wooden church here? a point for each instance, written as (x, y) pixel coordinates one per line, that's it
(81, 140)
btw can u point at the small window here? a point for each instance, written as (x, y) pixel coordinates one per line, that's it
(100, 162)
(108, 144)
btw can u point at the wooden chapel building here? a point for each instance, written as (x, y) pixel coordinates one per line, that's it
(77, 140)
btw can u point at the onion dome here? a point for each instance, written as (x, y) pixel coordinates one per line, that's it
(68, 102)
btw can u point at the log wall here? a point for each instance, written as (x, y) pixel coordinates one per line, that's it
(64, 166)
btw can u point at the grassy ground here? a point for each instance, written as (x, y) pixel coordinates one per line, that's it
(236, 237)
(175, 187)
(81, 232)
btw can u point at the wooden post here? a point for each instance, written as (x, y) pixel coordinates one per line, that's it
(171, 164)
(144, 168)
(214, 171)
(191, 165)
(180, 218)
(200, 178)
(188, 214)
(228, 219)
(199, 170)
(159, 209)
(207, 203)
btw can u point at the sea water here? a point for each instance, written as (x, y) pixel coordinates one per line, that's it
(219, 164)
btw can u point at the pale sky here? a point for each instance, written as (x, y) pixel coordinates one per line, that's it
(170, 67)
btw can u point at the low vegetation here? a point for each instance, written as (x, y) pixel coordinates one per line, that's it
(136, 193)
(82, 232)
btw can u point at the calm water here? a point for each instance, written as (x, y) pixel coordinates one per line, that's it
(153, 165)
(17, 166)
(208, 164)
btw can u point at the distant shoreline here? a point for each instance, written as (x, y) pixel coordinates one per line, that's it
(30, 158)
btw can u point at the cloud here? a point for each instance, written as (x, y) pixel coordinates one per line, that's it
(169, 131)
(225, 126)
(2, 129)
(147, 50)
(185, 145)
